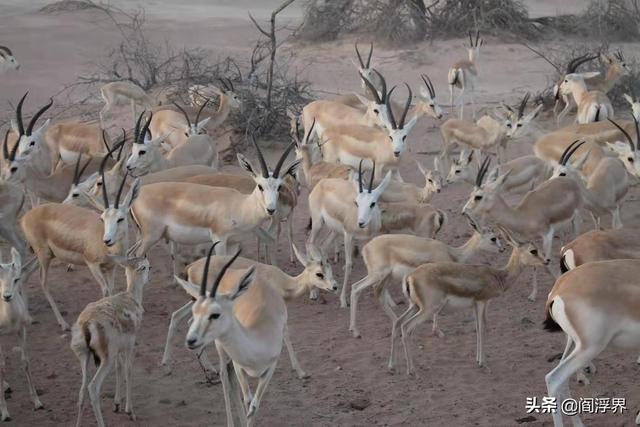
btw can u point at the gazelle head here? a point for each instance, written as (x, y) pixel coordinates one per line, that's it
(197, 127)
(137, 269)
(461, 168)
(576, 82)
(427, 103)
(10, 276)
(635, 105)
(114, 216)
(474, 46)
(564, 168)
(627, 152)
(432, 177)
(489, 241)
(517, 121)
(527, 252)
(483, 196)
(7, 60)
(376, 106)
(144, 150)
(79, 189)
(572, 67)
(229, 92)
(616, 62)
(367, 198)
(213, 313)
(398, 130)
(268, 184)
(317, 270)
(29, 139)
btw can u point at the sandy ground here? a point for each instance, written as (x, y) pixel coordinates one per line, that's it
(448, 390)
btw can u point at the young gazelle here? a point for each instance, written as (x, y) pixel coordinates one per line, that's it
(392, 256)
(593, 105)
(248, 324)
(177, 125)
(7, 60)
(464, 74)
(116, 93)
(15, 318)
(596, 305)
(191, 214)
(348, 209)
(106, 331)
(79, 236)
(561, 198)
(317, 274)
(433, 287)
(147, 157)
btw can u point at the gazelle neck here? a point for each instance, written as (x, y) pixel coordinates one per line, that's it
(135, 286)
(473, 55)
(224, 109)
(510, 272)
(613, 76)
(291, 287)
(578, 90)
(464, 252)
(251, 209)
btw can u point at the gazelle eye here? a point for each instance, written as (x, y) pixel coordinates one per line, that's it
(14, 168)
(534, 252)
(563, 174)
(320, 275)
(32, 143)
(372, 204)
(376, 111)
(494, 239)
(404, 137)
(630, 159)
(430, 181)
(279, 187)
(519, 125)
(260, 187)
(120, 219)
(214, 316)
(141, 152)
(458, 171)
(477, 198)
(75, 195)
(99, 184)
(508, 125)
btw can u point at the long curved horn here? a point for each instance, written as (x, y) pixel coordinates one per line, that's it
(214, 287)
(477, 37)
(83, 168)
(230, 84)
(429, 85)
(373, 173)
(362, 65)
(145, 128)
(394, 125)
(5, 145)
(482, 171)
(19, 114)
(36, 116)
(371, 88)
(360, 176)
(470, 38)
(6, 49)
(383, 88)
(573, 150)
(306, 138)
(224, 84)
(103, 163)
(205, 273)
(637, 126)
(124, 139)
(276, 171)
(14, 150)
(523, 105)
(136, 135)
(124, 179)
(573, 65)
(184, 113)
(104, 140)
(206, 101)
(370, 55)
(263, 164)
(568, 152)
(406, 107)
(626, 134)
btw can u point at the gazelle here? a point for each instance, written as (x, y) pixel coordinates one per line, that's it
(408, 192)
(15, 318)
(348, 209)
(116, 93)
(572, 67)
(8, 62)
(392, 256)
(78, 236)
(436, 286)
(69, 140)
(229, 100)
(314, 172)
(600, 245)
(106, 330)
(617, 68)
(595, 305)
(193, 213)
(606, 185)
(29, 139)
(146, 154)
(349, 144)
(317, 274)
(464, 75)
(635, 105)
(561, 197)
(593, 105)
(177, 125)
(248, 324)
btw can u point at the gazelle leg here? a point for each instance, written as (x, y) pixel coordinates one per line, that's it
(547, 246)
(451, 97)
(44, 269)
(4, 416)
(128, 379)
(263, 382)
(412, 310)
(117, 398)
(356, 290)
(96, 385)
(434, 329)
(243, 381)
(292, 258)
(348, 263)
(84, 366)
(176, 317)
(226, 367)
(615, 218)
(481, 313)
(384, 298)
(24, 356)
(97, 273)
(534, 285)
(461, 102)
(292, 355)
(406, 329)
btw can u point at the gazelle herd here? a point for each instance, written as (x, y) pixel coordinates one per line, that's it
(85, 186)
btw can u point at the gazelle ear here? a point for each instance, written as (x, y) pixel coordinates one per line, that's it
(16, 259)
(95, 203)
(43, 128)
(617, 147)
(362, 99)
(14, 126)
(383, 185)
(421, 168)
(291, 170)
(190, 288)
(436, 164)
(578, 164)
(166, 147)
(532, 115)
(408, 126)
(246, 164)
(132, 194)
(244, 282)
(499, 181)
(605, 58)
(589, 74)
(303, 260)
(493, 175)
(469, 157)
(626, 96)
(203, 123)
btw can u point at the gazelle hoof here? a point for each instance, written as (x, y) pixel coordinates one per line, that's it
(38, 406)
(5, 418)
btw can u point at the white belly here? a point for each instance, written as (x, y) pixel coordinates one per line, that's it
(68, 157)
(187, 235)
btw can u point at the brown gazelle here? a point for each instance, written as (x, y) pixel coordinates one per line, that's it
(248, 324)
(116, 93)
(593, 105)
(600, 245)
(15, 318)
(229, 100)
(191, 214)
(317, 274)
(596, 305)
(79, 236)
(567, 100)
(392, 256)
(464, 75)
(106, 332)
(434, 287)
